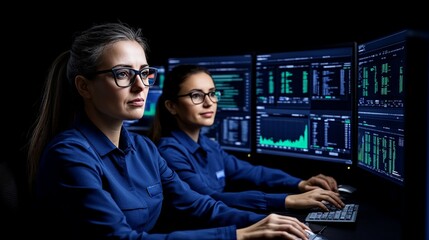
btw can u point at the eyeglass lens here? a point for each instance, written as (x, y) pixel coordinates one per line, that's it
(126, 76)
(198, 97)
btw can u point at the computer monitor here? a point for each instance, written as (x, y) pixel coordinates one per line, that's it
(381, 83)
(232, 128)
(304, 103)
(393, 116)
(143, 124)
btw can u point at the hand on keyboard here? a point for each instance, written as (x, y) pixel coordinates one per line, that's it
(315, 198)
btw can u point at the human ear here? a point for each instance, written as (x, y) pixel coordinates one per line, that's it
(81, 84)
(170, 106)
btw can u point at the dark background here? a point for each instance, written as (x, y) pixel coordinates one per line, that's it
(32, 39)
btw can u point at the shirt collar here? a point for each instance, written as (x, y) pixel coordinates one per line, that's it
(101, 143)
(188, 143)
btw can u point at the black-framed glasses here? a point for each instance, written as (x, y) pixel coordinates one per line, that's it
(125, 77)
(198, 97)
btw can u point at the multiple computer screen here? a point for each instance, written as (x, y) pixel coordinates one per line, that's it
(343, 104)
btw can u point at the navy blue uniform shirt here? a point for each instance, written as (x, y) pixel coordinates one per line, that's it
(90, 189)
(207, 168)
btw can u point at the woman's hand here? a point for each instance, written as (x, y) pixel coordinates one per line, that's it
(275, 226)
(318, 181)
(314, 198)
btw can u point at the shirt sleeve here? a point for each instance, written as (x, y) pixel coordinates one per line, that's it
(179, 160)
(260, 177)
(257, 175)
(200, 206)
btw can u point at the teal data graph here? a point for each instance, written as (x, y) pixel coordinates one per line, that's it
(279, 137)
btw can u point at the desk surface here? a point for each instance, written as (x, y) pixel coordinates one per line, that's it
(373, 222)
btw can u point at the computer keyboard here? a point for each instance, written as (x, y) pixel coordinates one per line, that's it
(346, 215)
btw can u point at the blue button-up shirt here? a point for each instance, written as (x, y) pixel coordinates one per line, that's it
(207, 168)
(91, 189)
